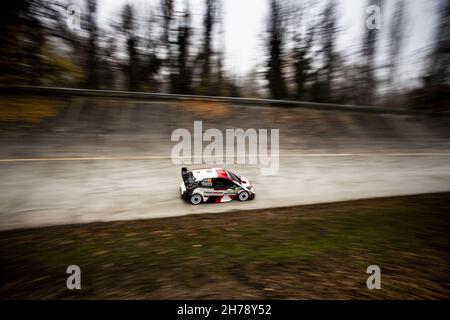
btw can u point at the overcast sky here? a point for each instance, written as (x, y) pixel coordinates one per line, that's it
(244, 24)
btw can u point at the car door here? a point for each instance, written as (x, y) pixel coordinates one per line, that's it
(206, 188)
(225, 188)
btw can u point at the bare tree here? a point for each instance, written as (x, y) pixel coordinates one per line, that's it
(369, 50)
(436, 90)
(396, 39)
(440, 65)
(205, 56)
(128, 29)
(22, 39)
(91, 50)
(181, 76)
(275, 64)
(303, 35)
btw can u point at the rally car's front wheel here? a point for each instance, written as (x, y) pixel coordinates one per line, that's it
(196, 199)
(243, 196)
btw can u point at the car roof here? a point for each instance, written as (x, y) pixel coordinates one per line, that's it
(204, 173)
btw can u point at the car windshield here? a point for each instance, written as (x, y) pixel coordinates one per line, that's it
(235, 177)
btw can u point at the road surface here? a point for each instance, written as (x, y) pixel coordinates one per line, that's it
(49, 192)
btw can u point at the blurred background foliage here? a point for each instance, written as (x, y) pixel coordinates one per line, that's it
(27, 111)
(167, 53)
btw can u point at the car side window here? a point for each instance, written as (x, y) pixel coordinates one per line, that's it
(207, 182)
(222, 183)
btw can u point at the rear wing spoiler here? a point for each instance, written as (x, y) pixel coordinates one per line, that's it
(188, 177)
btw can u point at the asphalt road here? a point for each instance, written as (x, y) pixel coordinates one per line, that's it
(51, 192)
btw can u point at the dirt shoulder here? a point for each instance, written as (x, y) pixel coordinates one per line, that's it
(303, 252)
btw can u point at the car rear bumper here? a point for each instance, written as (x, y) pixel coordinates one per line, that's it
(183, 192)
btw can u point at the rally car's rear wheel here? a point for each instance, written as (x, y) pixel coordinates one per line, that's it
(243, 196)
(196, 199)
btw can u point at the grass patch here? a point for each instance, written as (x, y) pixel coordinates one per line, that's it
(316, 251)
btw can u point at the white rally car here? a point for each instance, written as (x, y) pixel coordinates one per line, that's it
(214, 185)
